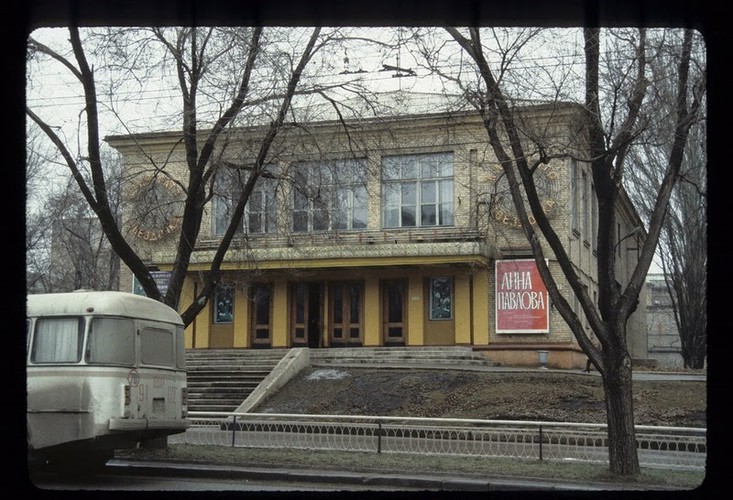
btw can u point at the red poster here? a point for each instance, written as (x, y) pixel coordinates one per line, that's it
(522, 303)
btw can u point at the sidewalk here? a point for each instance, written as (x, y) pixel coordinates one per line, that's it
(638, 374)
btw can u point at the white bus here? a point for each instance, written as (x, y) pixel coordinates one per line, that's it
(104, 371)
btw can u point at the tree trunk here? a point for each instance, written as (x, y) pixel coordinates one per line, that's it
(622, 456)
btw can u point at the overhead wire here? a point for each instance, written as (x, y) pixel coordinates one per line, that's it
(47, 96)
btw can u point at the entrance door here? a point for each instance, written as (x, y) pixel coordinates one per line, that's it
(394, 312)
(346, 313)
(306, 314)
(261, 315)
(439, 326)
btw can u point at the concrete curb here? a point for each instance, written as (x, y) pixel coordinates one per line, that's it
(636, 375)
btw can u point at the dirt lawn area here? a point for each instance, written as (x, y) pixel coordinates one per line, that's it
(547, 396)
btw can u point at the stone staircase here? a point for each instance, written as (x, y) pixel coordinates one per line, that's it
(221, 379)
(375, 357)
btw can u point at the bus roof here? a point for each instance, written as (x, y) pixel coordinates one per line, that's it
(84, 302)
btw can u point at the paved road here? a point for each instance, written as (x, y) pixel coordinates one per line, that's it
(189, 478)
(329, 480)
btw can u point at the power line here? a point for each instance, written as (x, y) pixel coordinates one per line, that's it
(567, 63)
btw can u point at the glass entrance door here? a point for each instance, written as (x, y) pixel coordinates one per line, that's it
(261, 315)
(394, 312)
(346, 307)
(306, 314)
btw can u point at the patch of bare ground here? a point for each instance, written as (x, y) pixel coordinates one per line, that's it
(547, 396)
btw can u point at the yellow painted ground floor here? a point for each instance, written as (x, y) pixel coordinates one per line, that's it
(408, 306)
(392, 305)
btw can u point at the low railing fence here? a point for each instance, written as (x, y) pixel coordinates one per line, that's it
(669, 447)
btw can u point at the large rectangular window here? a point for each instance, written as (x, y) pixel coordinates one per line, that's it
(330, 196)
(260, 212)
(417, 190)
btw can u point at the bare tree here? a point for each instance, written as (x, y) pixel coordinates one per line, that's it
(81, 256)
(37, 224)
(684, 256)
(65, 246)
(683, 240)
(611, 133)
(265, 79)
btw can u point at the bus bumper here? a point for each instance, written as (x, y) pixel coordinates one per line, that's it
(142, 424)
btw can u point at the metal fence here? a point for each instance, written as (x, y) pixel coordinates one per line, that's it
(680, 448)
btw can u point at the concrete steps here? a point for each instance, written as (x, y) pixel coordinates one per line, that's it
(221, 379)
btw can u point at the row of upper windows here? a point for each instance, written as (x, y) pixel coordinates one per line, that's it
(584, 209)
(417, 191)
(584, 205)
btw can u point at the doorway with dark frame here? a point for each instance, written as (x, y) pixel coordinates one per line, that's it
(306, 312)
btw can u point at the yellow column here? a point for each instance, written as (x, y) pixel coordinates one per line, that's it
(481, 307)
(372, 318)
(241, 317)
(203, 324)
(280, 314)
(462, 309)
(415, 307)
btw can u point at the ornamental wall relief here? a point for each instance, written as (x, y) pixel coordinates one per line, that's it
(546, 177)
(155, 206)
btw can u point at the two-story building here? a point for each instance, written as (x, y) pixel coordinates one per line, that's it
(397, 231)
(665, 345)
